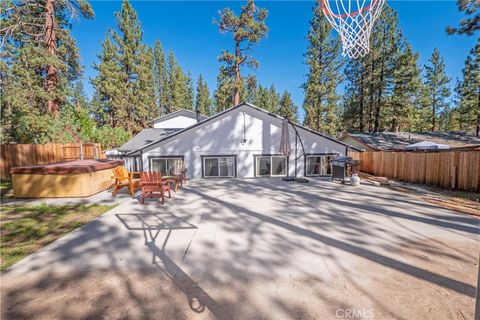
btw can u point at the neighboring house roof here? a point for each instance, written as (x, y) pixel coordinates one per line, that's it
(392, 140)
(178, 113)
(230, 110)
(145, 137)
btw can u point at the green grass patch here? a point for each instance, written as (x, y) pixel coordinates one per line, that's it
(25, 229)
(5, 188)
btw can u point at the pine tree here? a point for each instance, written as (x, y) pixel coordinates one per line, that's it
(161, 78)
(324, 62)
(251, 89)
(436, 83)
(407, 83)
(286, 107)
(202, 101)
(470, 24)
(353, 102)
(247, 29)
(274, 99)
(180, 92)
(223, 93)
(44, 28)
(40, 63)
(368, 104)
(468, 92)
(190, 94)
(125, 83)
(109, 84)
(268, 99)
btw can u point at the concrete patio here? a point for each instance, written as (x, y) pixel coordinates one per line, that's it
(263, 248)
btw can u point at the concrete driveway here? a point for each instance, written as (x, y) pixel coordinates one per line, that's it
(245, 249)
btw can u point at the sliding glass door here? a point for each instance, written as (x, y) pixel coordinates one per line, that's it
(318, 165)
(270, 166)
(219, 166)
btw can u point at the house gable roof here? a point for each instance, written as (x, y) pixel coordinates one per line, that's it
(179, 113)
(207, 120)
(145, 137)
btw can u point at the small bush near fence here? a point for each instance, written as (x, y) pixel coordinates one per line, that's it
(457, 169)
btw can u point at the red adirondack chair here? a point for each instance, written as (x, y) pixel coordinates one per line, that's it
(153, 186)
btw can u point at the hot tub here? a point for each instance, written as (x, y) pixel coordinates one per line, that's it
(78, 178)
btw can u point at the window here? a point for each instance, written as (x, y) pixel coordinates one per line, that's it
(165, 165)
(318, 165)
(271, 166)
(218, 166)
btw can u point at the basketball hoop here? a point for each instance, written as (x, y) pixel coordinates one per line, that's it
(353, 20)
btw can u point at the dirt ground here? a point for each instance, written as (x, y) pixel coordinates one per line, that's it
(409, 260)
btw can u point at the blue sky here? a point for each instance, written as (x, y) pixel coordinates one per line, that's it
(186, 28)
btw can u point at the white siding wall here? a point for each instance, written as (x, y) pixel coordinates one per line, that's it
(177, 122)
(222, 136)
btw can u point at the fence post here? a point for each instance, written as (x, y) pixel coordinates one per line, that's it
(81, 151)
(95, 151)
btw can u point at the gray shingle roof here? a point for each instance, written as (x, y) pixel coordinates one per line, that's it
(391, 140)
(146, 136)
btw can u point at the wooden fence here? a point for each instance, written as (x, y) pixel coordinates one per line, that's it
(457, 170)
(14, 155)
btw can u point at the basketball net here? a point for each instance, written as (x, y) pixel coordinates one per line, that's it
(353, 20)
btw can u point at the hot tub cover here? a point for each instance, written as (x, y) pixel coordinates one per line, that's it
(68, 167)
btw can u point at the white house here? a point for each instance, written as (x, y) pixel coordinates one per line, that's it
(242, 142)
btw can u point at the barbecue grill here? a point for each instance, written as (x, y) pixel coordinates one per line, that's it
(343, 167)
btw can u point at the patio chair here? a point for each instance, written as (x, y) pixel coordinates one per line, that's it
(153, 186)
(124, 178)
(178, 174)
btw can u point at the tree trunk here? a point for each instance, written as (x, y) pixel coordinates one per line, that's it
(434, 115)
(51, 45)
(477, 131)
(236, 97)
(372, 94)
(362, 124)
(379, 99)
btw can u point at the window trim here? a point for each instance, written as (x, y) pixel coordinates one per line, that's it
(316, 155)
(216, 156)
(150, 158)
(255, 156)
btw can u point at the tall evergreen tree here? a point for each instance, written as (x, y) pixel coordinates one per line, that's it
(44, 28)
(436, 83)
(286, 107)
(161, 78)
(251, 89)
(125, 83)
(471, 23)
(468, 91)
(371, 79)
(268, 98)
(40, 63)
(324, 62)
(407, 83)
(202, 101)
(190, 93)
(247, 29)
(223, 93)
